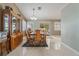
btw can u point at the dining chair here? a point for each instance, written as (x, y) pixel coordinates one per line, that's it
(38, 35)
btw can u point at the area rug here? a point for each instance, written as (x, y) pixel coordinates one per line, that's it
(27, 45)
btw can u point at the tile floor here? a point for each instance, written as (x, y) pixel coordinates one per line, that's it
(42, 51)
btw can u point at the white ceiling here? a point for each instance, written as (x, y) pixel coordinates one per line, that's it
(49, 11)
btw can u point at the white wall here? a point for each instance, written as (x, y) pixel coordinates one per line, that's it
(24, 25)
(70, 26)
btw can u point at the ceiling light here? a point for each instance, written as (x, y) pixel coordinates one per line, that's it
(39, 8)
(33, 17)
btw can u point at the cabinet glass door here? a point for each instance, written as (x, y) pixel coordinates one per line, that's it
(6, 23)
(13, 24)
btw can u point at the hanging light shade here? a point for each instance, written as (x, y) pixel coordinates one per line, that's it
(33, 17)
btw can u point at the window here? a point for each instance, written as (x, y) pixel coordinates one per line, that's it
(57, 26)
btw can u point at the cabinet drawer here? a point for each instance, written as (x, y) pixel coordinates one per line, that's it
(4, 51)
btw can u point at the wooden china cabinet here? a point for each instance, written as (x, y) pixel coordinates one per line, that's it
(6, 48)
(10, 24)
(7, 16)
(13, 29)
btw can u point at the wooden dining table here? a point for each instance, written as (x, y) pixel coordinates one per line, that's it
(37, 39)
(42, 33)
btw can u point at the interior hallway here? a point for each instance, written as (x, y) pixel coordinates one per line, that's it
(42, 51)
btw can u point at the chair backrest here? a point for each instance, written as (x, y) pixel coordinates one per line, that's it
(28, 35)
(38, 35)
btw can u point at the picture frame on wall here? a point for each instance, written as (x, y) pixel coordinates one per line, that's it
(44, 25)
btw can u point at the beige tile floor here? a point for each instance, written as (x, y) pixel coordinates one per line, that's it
(41, 51)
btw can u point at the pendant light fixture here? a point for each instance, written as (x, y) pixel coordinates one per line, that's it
(33, 16)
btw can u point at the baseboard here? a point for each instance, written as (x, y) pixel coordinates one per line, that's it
(76, 52)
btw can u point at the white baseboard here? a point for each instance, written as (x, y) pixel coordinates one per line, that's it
(76, 52)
